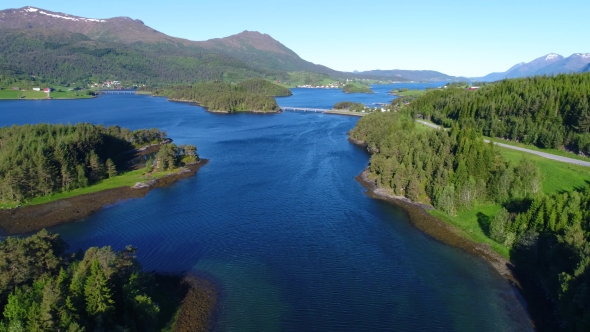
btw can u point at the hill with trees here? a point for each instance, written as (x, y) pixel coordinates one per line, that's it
(349, 105)
(549, 112)
(220, 97)
(356, 88)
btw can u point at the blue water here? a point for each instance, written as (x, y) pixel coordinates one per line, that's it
(326, 98)
(277, 220)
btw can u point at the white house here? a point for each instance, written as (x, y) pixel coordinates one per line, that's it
(36, 89)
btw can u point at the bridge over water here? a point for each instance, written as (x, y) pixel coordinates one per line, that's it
(118, 92)
(302, 109)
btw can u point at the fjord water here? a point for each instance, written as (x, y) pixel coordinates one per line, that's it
(278, 222)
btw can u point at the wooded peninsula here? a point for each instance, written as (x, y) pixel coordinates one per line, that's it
(508, 202)
(43, 159)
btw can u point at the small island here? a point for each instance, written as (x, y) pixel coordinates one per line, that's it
(356, 88)
(52, 174)
(219, 97)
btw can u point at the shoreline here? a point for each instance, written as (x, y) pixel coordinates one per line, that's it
(37, 99)
(449, 235)
(342, 112)
(438, 229)
(36, 217)
(194, 103)
(200, 306)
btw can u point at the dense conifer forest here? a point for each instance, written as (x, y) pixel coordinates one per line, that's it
(44, 289)
(549, 112)
(454, 170)
(449, 169)
(38, 160)
(221, 97)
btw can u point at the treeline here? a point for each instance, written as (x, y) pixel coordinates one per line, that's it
(352, 88)
(452, 170)
(170, 156)
(42, 289)
(38, 160)
(219, 96)
(549, 112)
(349, 105)
(263, 87)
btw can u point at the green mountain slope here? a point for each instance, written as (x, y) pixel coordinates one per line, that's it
(63, 47)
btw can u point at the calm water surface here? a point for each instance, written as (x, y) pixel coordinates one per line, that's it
(278, 221)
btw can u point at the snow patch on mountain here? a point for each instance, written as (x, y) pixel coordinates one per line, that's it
(583, 55)
(552, 56)
(66, 17)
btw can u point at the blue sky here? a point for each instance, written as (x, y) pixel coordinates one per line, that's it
(462, 38)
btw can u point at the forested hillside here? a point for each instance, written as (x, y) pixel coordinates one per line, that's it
(451, 170)
(38, 160)
(42, 289)
(264, 87)
(63, 58)
(220, 97)
(549, 112)
(62, 49)
(548, 235)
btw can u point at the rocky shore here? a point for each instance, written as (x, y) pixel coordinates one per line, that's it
(437, 228)
(35, 217)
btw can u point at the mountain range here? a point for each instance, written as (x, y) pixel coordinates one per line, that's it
(40, 42)
(550, 64)
(410, 75)
(60, 47)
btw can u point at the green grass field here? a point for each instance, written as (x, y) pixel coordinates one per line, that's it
(126, 179)
(9, 94)
(30, 94)
(557, 177)
(410, 93)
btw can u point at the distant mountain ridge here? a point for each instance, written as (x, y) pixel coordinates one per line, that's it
(411, 75)
(550, 64)
(58, 36)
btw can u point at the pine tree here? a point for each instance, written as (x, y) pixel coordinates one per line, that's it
(97, 292)
(111, 168)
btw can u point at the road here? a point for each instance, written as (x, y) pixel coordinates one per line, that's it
(538, 153)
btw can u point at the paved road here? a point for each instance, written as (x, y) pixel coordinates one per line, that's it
(538, 153)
